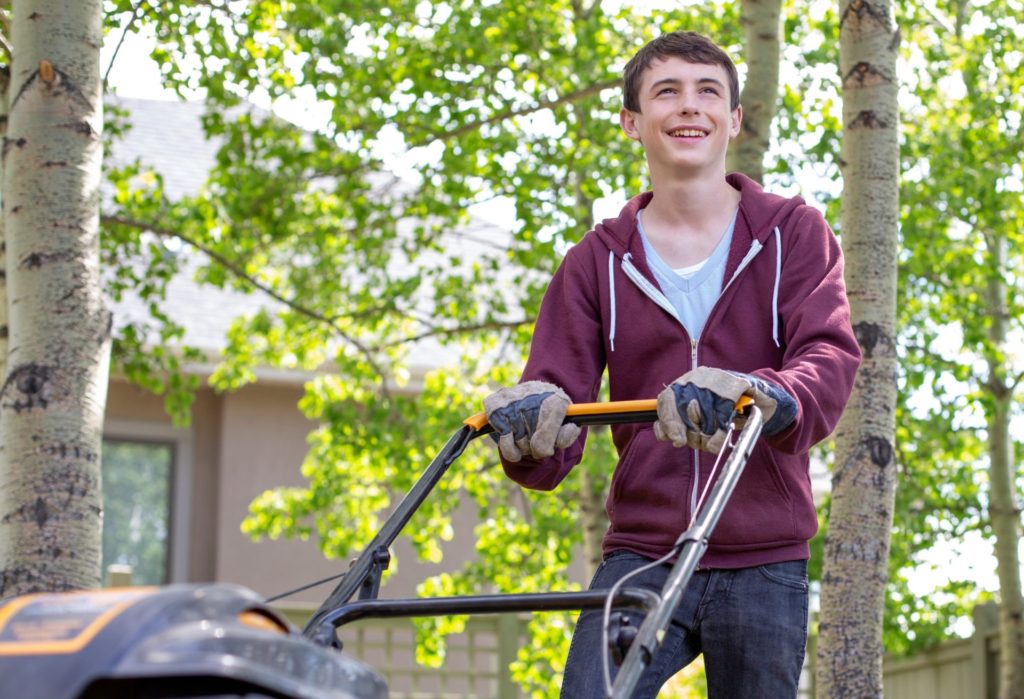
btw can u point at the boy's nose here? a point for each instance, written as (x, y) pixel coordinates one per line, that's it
(688, 103)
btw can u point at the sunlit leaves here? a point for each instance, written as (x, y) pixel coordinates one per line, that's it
(808, 122)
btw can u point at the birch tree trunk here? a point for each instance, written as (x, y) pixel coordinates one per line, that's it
(54, 389)
(849, 656)
(1004, 509)
(762, 48)
(5, 81)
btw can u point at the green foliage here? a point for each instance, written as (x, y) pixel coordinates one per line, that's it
(543, 658)
(961, 198)
(808, 123)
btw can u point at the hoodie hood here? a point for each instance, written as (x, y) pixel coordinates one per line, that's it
(760, 211)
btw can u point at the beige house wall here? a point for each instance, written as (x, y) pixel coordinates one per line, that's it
(205, 491)
(262, 446)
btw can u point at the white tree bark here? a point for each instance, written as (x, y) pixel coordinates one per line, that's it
(864, 476)
(4, 84)
(762, 51)
(54, 389)
(1004, 508)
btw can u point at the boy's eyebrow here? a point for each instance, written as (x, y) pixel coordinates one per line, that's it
(677, 81)
(665, 81)
(714, 81)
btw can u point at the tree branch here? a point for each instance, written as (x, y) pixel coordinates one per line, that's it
(127, 27)
(582, 12)
(458, 330)
(512, 113)
(527, 509)
(468, 235)
(938, 21)
(331, 321)
(1016, 381)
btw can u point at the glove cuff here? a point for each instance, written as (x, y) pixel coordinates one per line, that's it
(777, 405)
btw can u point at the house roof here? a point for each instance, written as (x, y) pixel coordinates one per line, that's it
(167, 136)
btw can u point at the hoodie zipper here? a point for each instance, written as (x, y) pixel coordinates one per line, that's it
(656, 295)
(696, 453)
(755, 248)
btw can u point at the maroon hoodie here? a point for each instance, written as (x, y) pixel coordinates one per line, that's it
(782, 315)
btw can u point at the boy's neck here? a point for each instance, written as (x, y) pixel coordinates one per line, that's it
(696, 204)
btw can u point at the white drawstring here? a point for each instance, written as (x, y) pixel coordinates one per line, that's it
(650, 290)
(611, 292)
(775, 292)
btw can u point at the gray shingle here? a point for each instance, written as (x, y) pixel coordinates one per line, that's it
(168, 137)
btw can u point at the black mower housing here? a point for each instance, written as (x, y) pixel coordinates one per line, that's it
(216, 640)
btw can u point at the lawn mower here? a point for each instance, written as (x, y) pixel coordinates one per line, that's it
(223, 640)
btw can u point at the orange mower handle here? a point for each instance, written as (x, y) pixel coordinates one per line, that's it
(606, 413)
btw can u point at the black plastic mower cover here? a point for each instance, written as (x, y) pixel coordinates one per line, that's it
(178, 641)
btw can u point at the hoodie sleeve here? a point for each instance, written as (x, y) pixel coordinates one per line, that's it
(821, 352)
(567, 350)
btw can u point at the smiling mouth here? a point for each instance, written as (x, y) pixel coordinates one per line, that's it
(688, 133)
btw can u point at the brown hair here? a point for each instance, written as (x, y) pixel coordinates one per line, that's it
(692, 48)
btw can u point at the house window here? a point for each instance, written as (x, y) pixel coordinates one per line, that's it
(147, 485)
(137, 491)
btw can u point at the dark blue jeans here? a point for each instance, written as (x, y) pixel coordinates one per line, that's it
(750, 624)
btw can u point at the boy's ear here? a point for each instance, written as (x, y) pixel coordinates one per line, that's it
(627, 120)
(736, 121)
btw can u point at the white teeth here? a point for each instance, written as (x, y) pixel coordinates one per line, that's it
(687, 133)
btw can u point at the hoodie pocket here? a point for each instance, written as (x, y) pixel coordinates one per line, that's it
(775, 471)
(626, 462)
(649, 495)
(760, 510)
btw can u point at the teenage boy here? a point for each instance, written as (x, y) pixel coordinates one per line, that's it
(703, 289)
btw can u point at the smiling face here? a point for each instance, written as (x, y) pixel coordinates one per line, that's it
(684, 120)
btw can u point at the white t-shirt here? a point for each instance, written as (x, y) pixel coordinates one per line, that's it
(692, 290)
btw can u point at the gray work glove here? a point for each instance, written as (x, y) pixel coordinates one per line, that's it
(696, 408)
(527, 420)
